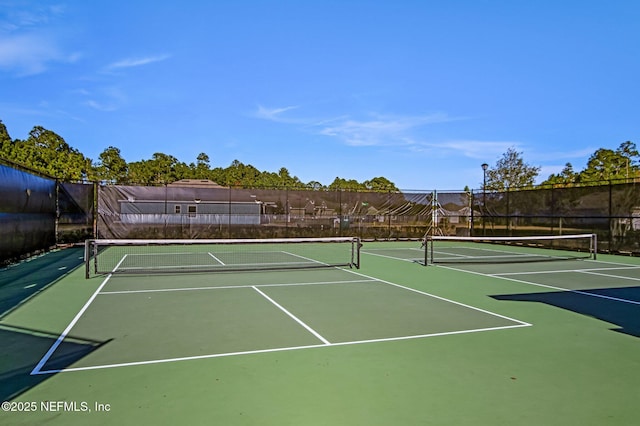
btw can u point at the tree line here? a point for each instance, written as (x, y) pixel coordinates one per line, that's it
(48, 153)
(603, 166)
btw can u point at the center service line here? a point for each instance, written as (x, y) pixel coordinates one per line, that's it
(296, 319)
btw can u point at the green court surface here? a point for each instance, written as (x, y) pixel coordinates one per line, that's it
(392, 343)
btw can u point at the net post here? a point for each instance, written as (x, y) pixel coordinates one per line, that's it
(358, 246)
(94, 246)
(427, 249)
(424, 246)
(594, 245)
(433, 260)
(87, 259)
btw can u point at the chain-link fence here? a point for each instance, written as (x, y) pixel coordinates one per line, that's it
(612, 211)
(37, 212)
(216, 212)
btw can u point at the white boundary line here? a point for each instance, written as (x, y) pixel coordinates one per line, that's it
(221, 263)
(326, 343)
(609, 275)
(178, 253)
(217, 260)
(304, 258)
(391, 257)
(522, 323)
(585, 293)
(587, 270)
(608, 262)
(38, 368)
(286, 349)
(226, 287)
(293, 317)
(369, 250)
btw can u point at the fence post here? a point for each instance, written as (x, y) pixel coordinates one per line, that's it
(94, 213)
(471, 204)
(56, 222)
(389, 215)
(553, 212)
(610, 216)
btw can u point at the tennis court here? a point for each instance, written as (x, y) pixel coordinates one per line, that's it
(322, 334)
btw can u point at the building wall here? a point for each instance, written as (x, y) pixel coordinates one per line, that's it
(189, 213)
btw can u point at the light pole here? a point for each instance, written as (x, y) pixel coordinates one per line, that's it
(484, 166)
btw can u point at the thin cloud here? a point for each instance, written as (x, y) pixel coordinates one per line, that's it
(491, 151)
(28, 45)
(278, 115)
(28, 54)
(557, 160)
(42, 109)
(107, 100)
(392, 131)
(477, 149)
(274, 114)
(11, 109)
(568, 155)
(17, 18)
(100, 106)
(136, 62)
(383, 130)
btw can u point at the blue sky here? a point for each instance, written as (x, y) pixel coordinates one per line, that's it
(420, 92)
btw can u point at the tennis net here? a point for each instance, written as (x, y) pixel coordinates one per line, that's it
(125, 256)
(449, 249)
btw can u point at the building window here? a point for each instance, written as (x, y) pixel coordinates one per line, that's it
(178, 209)
(192, 211)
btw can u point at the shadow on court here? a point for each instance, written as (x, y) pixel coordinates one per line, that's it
(23, 348)
(21, 281)
(620, 306)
